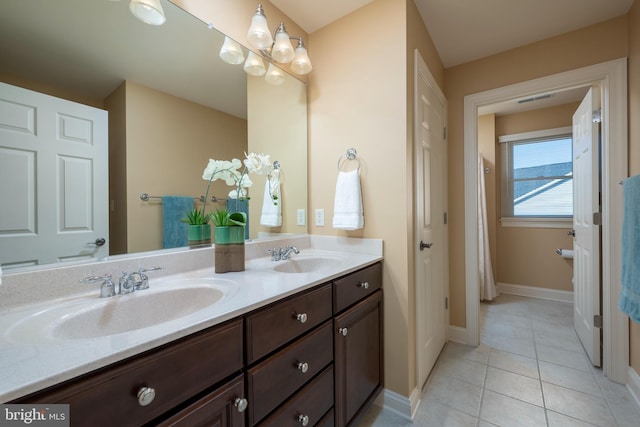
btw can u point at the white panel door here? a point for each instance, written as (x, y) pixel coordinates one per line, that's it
(53, 179)
(430, 181)
(586, 245)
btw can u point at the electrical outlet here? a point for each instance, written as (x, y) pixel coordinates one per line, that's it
(320, 217)
(300, 218)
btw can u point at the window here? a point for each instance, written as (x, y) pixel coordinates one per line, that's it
(537, 175)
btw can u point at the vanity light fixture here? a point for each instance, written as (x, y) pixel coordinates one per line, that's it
(231, 52)
(254, 65)
(274, 75)
(281, 50)
(148, 11)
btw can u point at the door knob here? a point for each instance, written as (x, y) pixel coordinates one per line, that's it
(424, 245)
(100, 241)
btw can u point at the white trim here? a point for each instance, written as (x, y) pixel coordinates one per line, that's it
(613, 77)
(457, 334)
(536, 222)
(401, 405)
(542, 133)
(535, 292)
(633, 385)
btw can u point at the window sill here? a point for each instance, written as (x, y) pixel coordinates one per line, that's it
(537, 222)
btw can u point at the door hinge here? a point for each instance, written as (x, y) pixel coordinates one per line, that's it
(597, 321)
(597, 218)
(446, 303)
(445, 218)
(597, 116)
(444, 133)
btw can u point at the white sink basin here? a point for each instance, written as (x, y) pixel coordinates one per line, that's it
(307, 265)
(92, 317)
(135, 311)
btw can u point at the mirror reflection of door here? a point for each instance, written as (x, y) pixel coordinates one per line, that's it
(43, 137)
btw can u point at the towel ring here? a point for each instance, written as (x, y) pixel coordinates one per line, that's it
(351, 154)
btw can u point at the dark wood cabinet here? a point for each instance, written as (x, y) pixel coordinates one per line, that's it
(222, 408)
(358, 358)
(312, 359)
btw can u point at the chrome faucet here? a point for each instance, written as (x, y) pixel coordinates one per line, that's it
(107, 289)
(286, 252)
(127, 283)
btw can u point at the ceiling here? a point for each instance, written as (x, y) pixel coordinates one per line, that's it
(465, 30)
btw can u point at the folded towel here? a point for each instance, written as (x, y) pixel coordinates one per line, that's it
(240, 205)
(272, 202)
(347, 207)
(175, 233)
(629, 301)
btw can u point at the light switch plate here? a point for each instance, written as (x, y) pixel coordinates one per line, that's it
(319, 217)
(300, 217)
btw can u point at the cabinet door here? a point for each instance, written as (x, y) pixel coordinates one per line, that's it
(358, 358)
(221, 408)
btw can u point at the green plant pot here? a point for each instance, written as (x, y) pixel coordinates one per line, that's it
(199, 235)
(229, 249)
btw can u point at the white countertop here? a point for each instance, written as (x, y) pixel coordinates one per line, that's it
(31, 358)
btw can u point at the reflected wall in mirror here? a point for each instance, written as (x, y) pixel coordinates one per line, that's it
(172, 104)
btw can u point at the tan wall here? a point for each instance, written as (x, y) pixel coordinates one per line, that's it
(588, 46)
(634, 139)
(176, 138)
(526, 256)
(277, 125)
(487, 146)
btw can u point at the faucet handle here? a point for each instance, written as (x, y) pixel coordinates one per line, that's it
(108, 288)
(143, 283)
(276, 254)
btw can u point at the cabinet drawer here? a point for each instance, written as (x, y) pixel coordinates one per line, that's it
(313, 401)
(215, 409)
(283, 321)
(176, 372)
(328, 420)
(352, 288)
(278, 377)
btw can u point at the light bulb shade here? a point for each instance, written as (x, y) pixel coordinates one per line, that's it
(231, 52)
(148, 11)
(301, 63)
(254, 65)
(259, 35)
(275, 75)
(282, 49)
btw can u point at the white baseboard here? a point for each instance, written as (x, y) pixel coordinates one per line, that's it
(457, 334)
(633, 384)
(535, 292)
(401, 405)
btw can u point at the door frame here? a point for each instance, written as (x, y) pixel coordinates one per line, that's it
(613, 77)
(421, 68)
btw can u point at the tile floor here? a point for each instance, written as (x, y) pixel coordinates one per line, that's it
(530, 370)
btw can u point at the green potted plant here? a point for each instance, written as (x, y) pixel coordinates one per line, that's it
(199, 227)
(229, 240)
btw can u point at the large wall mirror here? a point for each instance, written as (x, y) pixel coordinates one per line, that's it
(172, 105)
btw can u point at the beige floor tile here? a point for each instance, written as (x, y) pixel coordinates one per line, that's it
(434, 414)
(559, 420)
(514, 385)
(454, 393)
(575, 379)
(515, 363)
(454, 350)
(571, 359)
(578, 405)
(506, 411)
(462, 369)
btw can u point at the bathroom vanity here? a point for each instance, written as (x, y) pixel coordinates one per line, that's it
(312, 357)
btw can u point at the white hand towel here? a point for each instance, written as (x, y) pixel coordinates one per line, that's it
(347, 207)
(272, 213)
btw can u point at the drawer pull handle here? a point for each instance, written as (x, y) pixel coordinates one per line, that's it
(364, 285)
(301, 317)
(303, 419)
(303, 366)
(343, 331)
(146, 396)
(240, 404)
